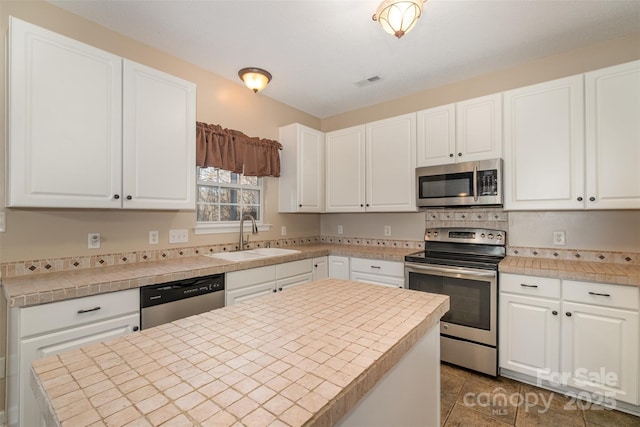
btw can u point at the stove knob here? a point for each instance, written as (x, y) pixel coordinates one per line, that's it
(435, 234)
(499, 237)
(428, 233)
(483, 235)
(490, 236)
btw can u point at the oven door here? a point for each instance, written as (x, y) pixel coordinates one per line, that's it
(472, 298)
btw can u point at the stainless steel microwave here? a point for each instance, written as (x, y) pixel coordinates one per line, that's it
(460, 184)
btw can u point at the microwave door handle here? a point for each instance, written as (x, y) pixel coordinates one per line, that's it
(475, 182)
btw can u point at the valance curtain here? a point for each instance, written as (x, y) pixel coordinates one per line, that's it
(236, 152)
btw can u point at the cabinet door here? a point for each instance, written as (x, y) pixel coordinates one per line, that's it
(377, 279)
(301, 182)
(613, 137)
(600, 350)
(345, 170)
(529, 335)
(339, 267)
(544, 146)
(436, 136)
(390, 164)
(159, 139)
(290, 282)
(41, 346)
(64, 121)
(320, 268)
(479, 128)
(247, 293)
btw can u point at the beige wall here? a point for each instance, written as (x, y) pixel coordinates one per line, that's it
(42, 233)
(615, 51)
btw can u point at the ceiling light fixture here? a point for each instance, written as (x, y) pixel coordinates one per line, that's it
(256, 79)
(398, 17)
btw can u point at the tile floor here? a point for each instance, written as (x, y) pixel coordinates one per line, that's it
(470, 399)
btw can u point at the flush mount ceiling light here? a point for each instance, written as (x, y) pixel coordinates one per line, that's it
(256, 79)
(398, 17)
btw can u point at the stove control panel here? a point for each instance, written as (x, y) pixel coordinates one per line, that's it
(480, 236)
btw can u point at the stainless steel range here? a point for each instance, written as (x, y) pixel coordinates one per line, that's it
(463, 264)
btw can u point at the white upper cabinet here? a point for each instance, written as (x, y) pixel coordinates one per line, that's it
(78, 138)
(346, 170)
(613, 137)
(436, 134)
(466, 131)
(371, 168)
(64, 121)
(544, 145)
(390, 162)
(301, 180)
(158, 139)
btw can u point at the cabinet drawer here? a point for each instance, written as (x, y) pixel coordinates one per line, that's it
(66, 314)
(293, 268)
(253, 276)
(601, 294)
(376, 266)
(544, 287)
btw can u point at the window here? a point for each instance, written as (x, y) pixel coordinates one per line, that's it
(223, 196)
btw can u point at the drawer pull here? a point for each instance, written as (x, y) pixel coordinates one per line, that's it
(528, 286)
(555, 313)
(599, 295)
(89, 310)
(376, 266)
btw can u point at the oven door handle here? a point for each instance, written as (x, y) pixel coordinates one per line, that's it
(425, 269)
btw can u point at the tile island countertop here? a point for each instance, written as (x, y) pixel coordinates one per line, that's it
(302, 357)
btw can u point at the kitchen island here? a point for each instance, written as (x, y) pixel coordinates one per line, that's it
(326, 353)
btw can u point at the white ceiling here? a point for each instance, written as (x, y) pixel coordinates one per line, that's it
(317, 49)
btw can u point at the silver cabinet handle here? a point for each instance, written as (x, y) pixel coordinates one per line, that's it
(89, 310)
(598, 294)
(528, 286)
(376, 267)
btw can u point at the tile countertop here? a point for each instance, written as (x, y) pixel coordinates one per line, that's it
(573, 270)
(49, 287)
(302, 357)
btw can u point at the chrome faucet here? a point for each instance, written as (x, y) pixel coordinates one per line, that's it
(254, 230)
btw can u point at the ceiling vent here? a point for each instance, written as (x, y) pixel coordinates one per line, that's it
(368, 82)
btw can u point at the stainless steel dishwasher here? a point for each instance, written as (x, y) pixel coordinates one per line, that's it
(166, 302)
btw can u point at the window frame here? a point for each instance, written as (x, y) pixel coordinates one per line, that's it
(211, 227)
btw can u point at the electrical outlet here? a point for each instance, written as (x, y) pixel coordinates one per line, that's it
(178, 236)
(387, 230)
(559, 238)
(153, 237)
(93, 240)
(283, 230)
(340, 229)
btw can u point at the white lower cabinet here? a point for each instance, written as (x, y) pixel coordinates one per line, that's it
(44, 330)
(245, 285)
(378, 272)
(574, 334)
(530, 325)
(339, 267)
(320, 268)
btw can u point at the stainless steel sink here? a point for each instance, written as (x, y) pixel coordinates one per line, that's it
(251, 254)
